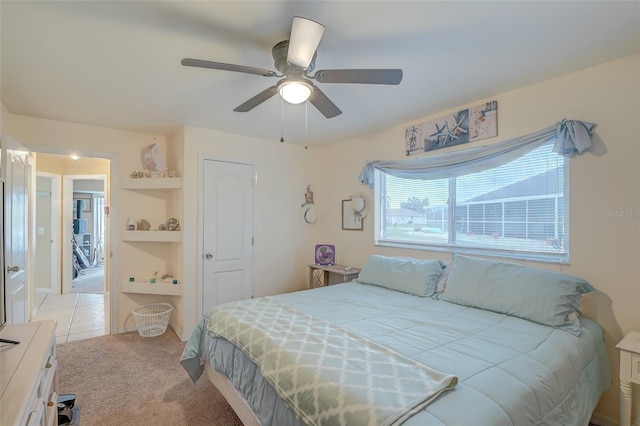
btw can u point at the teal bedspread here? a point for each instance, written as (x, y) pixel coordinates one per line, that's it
(325, 373)
(510, 371)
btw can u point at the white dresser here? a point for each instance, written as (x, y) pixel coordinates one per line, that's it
(629, 374)
(29, 379)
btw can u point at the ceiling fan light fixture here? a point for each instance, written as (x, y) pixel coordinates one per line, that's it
(295, 91)
(304, 40)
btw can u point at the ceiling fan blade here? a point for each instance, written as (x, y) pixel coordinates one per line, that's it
(227, 67)
(362, 76)
(324, 104)
(257, 99)
(303, 42)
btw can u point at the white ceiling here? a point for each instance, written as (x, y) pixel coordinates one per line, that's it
(117, 63)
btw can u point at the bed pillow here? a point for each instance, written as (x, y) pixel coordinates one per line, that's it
(545, 297)
(405, 274)
(441, 284)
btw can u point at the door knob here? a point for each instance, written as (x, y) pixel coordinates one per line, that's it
(208, 256)
(13, 268)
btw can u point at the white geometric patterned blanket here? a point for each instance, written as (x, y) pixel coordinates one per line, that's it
(327, 374)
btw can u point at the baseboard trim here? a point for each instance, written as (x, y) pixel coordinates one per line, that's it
(604, 421)
(132, 329)
(176, 330)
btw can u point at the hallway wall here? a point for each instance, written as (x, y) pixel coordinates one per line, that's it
(42, 274)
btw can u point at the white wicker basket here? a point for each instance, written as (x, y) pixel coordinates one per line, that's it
(152, 320)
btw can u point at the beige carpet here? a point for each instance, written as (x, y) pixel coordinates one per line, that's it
(131, 380)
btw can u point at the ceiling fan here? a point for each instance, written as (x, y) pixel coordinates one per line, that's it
(295, 59)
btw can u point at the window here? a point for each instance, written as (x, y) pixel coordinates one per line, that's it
(517, 209)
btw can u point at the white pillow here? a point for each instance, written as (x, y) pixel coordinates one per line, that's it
(441, 284)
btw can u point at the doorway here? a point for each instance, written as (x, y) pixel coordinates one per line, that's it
(227, 234)
(78, 296)
(87, 272)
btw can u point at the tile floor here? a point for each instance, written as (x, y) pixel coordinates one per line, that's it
(79, 315)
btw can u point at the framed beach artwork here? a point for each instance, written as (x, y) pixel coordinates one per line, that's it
(464, 126)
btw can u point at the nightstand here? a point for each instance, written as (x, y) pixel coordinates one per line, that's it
(629, 373)
(324, 275)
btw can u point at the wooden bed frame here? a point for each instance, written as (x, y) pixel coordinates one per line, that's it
(233, 397)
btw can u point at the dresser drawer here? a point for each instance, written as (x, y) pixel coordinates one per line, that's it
(29, 375)
(51, 410)
(35, 398)
(36, 415)
(48, 372)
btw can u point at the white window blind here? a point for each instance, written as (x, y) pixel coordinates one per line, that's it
(517, 209)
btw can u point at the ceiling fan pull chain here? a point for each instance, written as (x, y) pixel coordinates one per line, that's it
(306, 114)
(281, 120)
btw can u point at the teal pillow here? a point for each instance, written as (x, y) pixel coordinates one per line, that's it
(545, 297)
(409, 275)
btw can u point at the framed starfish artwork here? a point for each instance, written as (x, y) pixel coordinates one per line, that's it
(467, 125)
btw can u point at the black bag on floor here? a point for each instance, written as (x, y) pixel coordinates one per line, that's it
(65, 405)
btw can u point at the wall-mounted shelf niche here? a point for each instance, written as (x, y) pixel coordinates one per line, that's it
(152, 183)
(152, 236)
(149, 288)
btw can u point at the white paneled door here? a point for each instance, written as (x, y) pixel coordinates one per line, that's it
(227, 232)
(18, 169)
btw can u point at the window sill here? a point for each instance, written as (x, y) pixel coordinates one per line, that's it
(560, 259)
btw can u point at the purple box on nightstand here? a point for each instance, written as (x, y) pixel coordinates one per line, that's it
(325, 254)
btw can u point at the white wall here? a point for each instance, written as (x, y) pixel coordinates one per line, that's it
(42, 274)
(283, 245)
(604, 249)
(4, 113)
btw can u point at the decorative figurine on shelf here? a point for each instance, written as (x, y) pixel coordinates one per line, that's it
(143, 225)
(152, 160)
(154, 278)
(172, 224)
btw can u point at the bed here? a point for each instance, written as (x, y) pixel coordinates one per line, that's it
(484, 343)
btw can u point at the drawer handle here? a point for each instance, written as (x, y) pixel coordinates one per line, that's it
(48, 365)
(50, 404)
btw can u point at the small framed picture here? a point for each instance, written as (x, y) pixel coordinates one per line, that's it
(351, 219)
(86, 204)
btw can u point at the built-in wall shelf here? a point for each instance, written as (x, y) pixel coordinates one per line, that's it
(152, 236)
(151, 288)
(152, 183)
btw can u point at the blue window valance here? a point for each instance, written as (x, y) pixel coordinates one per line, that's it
(572, 137)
